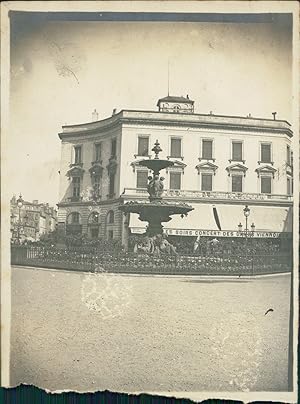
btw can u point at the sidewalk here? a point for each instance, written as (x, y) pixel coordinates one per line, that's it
(90, 332)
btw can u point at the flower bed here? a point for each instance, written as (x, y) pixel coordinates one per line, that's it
(91, 259)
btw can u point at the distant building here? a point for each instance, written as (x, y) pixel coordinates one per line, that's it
(221, 164)
(32, 220)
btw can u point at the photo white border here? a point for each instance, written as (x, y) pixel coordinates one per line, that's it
(145, 6)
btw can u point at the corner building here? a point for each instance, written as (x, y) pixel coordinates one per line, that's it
(221, 164)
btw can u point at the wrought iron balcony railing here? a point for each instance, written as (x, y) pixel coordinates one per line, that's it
(174, 193)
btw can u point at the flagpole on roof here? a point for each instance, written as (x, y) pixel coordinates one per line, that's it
(168, 77)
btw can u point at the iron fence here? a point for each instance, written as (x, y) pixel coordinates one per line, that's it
(93, 260)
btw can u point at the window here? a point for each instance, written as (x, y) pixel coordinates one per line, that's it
(175, 180)
(94, 232)
(237, 183)
(96, 184)
(111, 185)
(97, 151)
(175, 147)
(111, 217)
(143, 146)
(78, 153)
(206, 182)
(76, 186)
(141, 179)
(289, 186)
(288, 155)
(110, 234)
(207, 149)
(93, 218)
(75, 218)
(237, 151)
(114, 148)
(265, 183)
(176, 108)
(265, 152)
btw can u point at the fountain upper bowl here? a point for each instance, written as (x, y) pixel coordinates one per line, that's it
(156, 164)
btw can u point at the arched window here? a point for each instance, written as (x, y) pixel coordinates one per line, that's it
(176, 108)
(74, 223)
(94, 218)
(111, 217)
(73, 218)
(94, 225)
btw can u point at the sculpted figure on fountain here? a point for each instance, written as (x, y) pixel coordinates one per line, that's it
(155, 186)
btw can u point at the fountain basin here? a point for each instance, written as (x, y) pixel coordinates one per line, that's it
(156, 164)
(156, 212)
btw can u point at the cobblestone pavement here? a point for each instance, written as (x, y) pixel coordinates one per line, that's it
(148, 333)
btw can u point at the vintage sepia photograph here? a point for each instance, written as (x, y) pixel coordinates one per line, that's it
(151, 165)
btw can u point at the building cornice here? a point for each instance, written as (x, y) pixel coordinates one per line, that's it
(155, 118)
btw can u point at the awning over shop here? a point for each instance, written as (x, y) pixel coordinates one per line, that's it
(202, 218)
(265, 218)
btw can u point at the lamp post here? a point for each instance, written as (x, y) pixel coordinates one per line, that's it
(246, 212)
(20, 204)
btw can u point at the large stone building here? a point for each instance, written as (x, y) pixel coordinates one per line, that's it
(31, 220)
(221, 164)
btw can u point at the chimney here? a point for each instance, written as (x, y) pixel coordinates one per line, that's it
(114, 111)
(187, 96)
(95, 115)
(274, 115)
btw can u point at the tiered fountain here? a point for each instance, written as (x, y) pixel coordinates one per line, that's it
(155, 211)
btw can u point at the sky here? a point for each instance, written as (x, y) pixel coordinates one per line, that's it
(62, 70)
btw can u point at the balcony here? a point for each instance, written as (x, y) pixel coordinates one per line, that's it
(74, 199)
(208, 195)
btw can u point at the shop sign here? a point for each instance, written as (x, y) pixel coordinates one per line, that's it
(226, 233)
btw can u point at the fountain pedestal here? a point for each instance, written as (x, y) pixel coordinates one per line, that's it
(155, 211)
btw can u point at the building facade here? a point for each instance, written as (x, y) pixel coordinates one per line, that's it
(31, 220)
(221, 164)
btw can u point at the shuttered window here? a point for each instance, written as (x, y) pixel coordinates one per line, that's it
(96, 184)
(97, 151)
(141, 179)
(265, 150)
(143, 146)
(288, 154)
(75, 218)
(237, 183)
(114, 148)
(175, 147)
(78, 153)
(266, 185)
(237, 151)
(76, 186)
(111, 185)
(206, 182)
(207, 149)
(175, 180)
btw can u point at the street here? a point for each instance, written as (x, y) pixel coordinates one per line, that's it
(89, 332)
